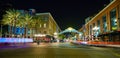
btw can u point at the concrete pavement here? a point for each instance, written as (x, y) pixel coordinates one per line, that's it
(60, 50)
(100, 45)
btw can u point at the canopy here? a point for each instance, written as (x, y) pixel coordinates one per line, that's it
(70, 30)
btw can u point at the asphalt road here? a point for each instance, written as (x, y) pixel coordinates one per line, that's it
(60, 50)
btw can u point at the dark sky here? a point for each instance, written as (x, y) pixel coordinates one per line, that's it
(67, 13)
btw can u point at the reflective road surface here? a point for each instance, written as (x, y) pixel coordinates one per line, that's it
(60, 50)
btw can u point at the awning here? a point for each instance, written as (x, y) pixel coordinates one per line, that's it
(111, 33)
(70, 30)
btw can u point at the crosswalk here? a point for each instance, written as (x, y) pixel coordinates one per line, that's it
(57, 45)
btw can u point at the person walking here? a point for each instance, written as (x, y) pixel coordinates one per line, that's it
(38, 41)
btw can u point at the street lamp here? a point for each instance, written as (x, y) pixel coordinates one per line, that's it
(80, 36)
(1, 30)
(26, 30)
(55, 34)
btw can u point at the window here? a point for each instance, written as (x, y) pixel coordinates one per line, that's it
(113, 20)
(46, 18)
(90, 29)
(104, 23)
(111, 0)
(40, 26)
(45, 32)
(98, 25)
(93, 24)
(44, 25)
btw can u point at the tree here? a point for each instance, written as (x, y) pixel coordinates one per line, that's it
(37, 23)
(27, 20)
(20, 25)
(10, 19)
(34, 24)
(61, 36)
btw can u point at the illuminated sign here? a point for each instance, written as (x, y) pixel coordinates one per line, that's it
(17, 40)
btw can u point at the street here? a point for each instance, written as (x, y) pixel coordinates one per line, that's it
(60, 50)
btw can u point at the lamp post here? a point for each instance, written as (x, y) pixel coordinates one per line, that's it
(55, 34)
(26, 31)
(1, 30)
(80, 36)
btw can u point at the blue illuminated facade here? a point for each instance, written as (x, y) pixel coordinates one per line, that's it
(21, 30)
(15, 40)
(17, 30)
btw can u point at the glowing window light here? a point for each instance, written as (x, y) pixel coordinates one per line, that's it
(70, 28)
(95, 28)
(45, 25)
(39, 35)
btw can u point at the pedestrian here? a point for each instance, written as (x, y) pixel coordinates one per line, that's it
(38, 41)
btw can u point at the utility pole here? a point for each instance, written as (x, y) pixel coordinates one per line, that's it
(1, 30)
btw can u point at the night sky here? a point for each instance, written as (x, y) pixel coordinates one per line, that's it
(67, 13)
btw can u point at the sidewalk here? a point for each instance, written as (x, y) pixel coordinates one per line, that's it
(98, 45)
(18, 45)
(22, 45)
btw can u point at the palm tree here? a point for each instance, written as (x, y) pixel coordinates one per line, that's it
(32, 26)
(10, 18)
(27, 20)
(38, 22)
(20, 24)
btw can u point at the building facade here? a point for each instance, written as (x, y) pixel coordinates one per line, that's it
(105, 25)
(39, 24)
(48, 25)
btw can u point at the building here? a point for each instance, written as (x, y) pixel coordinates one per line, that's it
(47, 24)
(19, 31)
(105, 25)
(44, 25)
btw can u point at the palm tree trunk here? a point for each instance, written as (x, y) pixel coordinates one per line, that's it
(21, 32)
(12, 32)
(9, 30)
(36, 30)
(15, 29)
(26, 32)
(32, 32)
(1, 30)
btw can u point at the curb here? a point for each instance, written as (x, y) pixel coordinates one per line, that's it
(98, 45)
